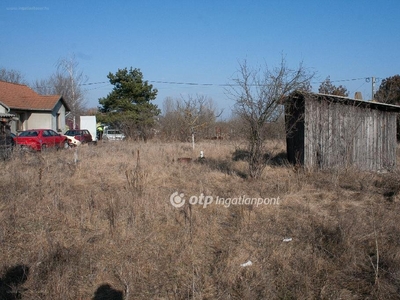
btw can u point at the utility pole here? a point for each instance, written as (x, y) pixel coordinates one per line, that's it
(373, 88)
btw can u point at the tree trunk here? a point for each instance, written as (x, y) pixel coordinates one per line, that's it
(256, 155)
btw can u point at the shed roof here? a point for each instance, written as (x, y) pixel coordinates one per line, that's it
(6, 115)
(19, 96)
(344, 100)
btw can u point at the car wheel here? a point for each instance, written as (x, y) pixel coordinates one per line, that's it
(66, 145)
(43, 147)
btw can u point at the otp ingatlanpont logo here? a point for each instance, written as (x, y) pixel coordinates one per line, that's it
(177, 199)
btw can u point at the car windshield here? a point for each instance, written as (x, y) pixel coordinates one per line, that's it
(72, 132)
(29, 133)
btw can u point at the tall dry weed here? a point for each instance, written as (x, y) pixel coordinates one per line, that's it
(103, 224)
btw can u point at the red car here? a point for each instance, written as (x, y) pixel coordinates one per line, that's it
(82, 135)
(39, 139)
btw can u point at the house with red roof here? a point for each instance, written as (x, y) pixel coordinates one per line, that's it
(31, 110)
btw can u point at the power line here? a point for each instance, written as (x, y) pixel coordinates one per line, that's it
(367, 79)
(227, 84)
(99, 87)
(92, 83)
(344, 80)
(190, 83)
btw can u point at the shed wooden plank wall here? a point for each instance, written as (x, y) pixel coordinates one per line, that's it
(338, 135)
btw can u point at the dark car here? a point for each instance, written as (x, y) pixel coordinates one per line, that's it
(39, 139)
(82, 135)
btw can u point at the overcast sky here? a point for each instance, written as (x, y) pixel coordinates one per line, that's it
(202, 42)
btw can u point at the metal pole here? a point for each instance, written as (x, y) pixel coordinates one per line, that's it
(373, 88)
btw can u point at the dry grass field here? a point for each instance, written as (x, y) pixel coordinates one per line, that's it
(104, 227)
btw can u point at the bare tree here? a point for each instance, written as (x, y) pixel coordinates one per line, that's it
(185, 118)
(66, 81)
(257, 93)
(326, 87)
(12, 76)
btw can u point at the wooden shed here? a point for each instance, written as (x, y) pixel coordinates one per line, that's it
(326, 131)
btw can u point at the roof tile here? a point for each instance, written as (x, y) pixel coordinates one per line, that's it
(18, 96)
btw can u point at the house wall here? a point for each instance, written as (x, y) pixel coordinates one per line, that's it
(338, 135)
(21, 122)
(40, 120)
(3, 109)
(58, 117)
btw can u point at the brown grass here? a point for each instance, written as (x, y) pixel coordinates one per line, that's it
(105, 226)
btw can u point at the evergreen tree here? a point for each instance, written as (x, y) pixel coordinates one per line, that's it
(128, 106)
(389, 92)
